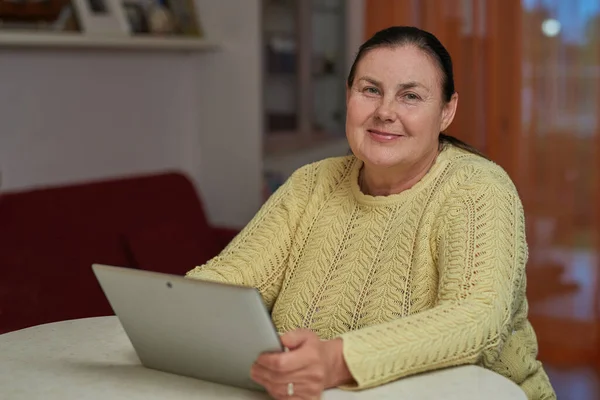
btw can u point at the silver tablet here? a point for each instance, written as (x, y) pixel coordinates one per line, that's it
(206, 330)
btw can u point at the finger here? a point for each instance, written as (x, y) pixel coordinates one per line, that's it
(294, 339)
(286, 362)
(262, 375)
(298, 356)
(265, 375)
(272, 387)
(308, 383)
(301, 375)
(300, 391)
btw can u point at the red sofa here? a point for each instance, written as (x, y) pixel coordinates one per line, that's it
(49, 238)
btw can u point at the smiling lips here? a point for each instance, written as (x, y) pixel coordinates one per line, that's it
(382, 136)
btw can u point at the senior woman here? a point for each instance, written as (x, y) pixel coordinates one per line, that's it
(406, 256)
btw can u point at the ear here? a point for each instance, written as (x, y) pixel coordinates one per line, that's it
(448, 112)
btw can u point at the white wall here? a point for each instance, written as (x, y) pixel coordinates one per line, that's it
(71, 116)
(74, 116)
(229, 114)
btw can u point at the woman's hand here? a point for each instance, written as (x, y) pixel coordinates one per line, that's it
(311, 366)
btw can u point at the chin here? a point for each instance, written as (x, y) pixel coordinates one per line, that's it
(379, 157)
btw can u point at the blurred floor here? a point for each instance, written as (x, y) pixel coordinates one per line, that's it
(574, 383)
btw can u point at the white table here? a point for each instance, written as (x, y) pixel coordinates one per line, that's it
(92, 358)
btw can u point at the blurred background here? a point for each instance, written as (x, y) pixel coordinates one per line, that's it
(236, 94)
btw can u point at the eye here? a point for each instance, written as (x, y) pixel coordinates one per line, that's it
(411, 97)
(370, 90)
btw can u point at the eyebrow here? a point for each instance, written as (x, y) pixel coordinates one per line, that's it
(400, 86)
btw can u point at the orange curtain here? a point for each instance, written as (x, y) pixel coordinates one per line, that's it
(528, 77)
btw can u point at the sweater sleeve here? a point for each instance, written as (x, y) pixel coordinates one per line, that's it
(481, 257)
(257, 256)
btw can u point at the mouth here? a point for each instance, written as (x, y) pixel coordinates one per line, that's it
(383, 136)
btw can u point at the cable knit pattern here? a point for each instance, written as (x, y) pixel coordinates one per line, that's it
(428, 278)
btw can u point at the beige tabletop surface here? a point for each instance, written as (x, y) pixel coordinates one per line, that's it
(92, 358)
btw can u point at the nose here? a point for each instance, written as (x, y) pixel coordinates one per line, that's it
(385, 113)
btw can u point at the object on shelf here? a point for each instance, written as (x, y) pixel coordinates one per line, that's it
(67, 20)
(41, 10)
(40, 15)
(185, 17)
(280, 122)
(137, 17)
(281, 55)
(102, 17)
(160, 19)
(323, 65)
(280, 3)
(332, 6)
(282, 58)
(163, 17)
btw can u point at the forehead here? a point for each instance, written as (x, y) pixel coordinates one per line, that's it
(393, 65)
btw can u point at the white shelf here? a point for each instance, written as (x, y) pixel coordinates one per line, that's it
(75, 40)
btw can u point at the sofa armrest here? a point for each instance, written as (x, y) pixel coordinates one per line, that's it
(224, 235)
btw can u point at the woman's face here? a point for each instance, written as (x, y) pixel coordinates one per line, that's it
(395, 110)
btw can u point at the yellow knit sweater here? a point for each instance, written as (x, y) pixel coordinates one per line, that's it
(428, 278)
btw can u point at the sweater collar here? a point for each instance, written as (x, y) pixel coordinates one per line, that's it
(435, 171)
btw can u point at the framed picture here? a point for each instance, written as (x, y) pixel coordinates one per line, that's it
(102, 17)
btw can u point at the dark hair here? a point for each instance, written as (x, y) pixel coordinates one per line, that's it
(397, 36)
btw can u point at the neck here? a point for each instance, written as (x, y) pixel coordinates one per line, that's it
(387, 181)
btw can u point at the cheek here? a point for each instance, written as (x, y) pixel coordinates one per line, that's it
(359, 110)
(421, 122)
